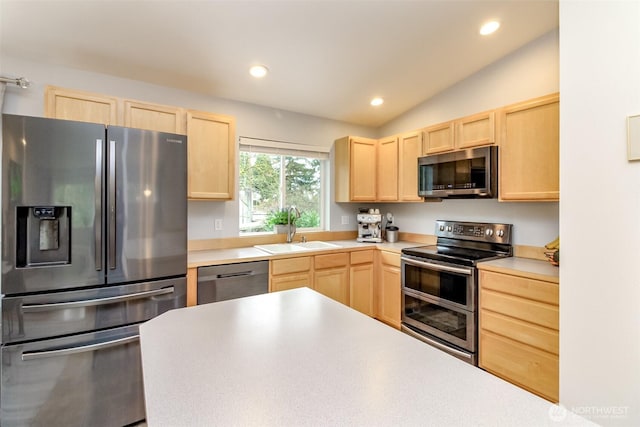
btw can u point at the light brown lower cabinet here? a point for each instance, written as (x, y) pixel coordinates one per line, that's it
(519, 339)
(389, 288)
(290, 273)
(361, 282)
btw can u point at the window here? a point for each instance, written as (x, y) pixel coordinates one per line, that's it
(275, 176)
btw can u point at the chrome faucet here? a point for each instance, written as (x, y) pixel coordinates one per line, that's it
(291, 233)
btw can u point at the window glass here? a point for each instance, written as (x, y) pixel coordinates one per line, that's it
(271, 183)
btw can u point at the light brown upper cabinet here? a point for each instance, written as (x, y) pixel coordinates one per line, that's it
(410, 148)
(529, 165)
(356, 164)
(476, 130)
(80, 106)
(471, 131)
(161, 118)
(439, 138)
(211, 156)
(387, 170)
(383, 170)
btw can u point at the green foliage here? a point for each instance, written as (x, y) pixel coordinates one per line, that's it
(261, 195)
(309, 219)
(280, 218)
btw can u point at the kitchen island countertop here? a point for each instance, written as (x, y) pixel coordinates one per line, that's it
(298, 358)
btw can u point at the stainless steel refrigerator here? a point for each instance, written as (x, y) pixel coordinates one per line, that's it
(94, 242)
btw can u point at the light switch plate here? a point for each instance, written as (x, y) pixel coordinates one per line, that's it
(633, 137)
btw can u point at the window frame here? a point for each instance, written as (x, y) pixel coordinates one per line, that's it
(284, 149)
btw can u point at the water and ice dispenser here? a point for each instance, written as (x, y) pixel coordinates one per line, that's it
(43, 235)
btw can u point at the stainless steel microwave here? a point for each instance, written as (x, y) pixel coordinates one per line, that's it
(462, 174)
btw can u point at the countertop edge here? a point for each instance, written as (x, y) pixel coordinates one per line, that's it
(523, 267)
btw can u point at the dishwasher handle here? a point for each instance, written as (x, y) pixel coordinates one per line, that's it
(236, 274)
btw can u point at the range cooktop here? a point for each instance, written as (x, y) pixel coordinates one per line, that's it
(466, 243)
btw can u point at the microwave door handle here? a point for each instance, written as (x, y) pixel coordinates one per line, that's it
(34, 308)
(34, 355)
(438, 267)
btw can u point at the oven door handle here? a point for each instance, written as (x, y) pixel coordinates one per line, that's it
(436, 344)
(438, 267)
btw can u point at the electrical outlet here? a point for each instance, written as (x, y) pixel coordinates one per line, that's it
(345, 219)
(218, 224)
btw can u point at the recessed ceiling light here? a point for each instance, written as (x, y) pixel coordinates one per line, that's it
(377, 101)
(258, 71)
(489, 28)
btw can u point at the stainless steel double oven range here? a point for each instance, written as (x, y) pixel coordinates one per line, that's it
(440, 284)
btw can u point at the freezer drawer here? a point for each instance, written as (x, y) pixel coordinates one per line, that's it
(61, 313)
(230, 281)
(92, 379)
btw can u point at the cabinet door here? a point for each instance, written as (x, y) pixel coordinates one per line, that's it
(388, 169)
(528, 367)
(361, 288)
(362, 165)
(333, 283)
(290, 281)
(160, 118)
(479, 129)
(389, 289)
(529, 160)
(212, 154)
(80, 106)
(439, 138)
(410, 149)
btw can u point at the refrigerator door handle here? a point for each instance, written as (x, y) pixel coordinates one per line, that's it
(33, 308)
(112, 205)
(34, 355)
(97, 226)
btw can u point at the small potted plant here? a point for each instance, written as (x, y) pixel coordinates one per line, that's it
(280, 219)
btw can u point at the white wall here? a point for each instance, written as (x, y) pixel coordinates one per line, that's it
(251, 120)
(599, 211)
(527, 73)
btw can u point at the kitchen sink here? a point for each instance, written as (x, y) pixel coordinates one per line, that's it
(285, 248)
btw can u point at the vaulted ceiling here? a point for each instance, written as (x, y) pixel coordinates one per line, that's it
(325, 58)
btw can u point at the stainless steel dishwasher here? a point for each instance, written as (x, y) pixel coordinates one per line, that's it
(230, 281)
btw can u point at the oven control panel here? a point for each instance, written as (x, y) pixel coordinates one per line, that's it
(479, 231)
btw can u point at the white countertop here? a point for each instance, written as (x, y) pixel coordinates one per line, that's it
(226, 256)
(524, 267)
(299, 358)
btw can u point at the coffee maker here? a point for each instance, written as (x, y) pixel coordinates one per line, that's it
(370, 226)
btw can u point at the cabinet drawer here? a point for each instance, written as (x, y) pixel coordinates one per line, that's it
(532, 369)
(361, 257)
(331, 260)
(390, 258)
(530, 311)
(526, 333)
(290, 265)
(290, 281)
(536, 290)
